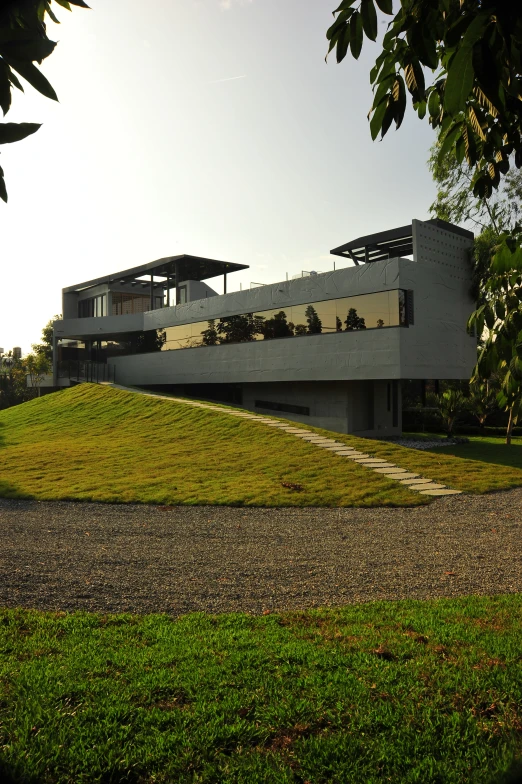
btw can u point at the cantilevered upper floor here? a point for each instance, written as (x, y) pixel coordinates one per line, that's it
(399, 312)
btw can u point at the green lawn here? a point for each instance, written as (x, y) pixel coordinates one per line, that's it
(425, 692)
(102, 444)
(488, 449)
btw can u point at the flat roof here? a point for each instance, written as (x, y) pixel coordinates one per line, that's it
(389, 244)
(177, 268)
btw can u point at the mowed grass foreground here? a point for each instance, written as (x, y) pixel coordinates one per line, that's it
(102, 444)
(425, 692)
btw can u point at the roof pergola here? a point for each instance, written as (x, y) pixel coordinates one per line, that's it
(174, 269)
(388, 244)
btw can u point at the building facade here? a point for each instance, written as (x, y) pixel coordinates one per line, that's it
(328, 349)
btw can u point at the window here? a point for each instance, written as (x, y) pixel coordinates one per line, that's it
(93, 307)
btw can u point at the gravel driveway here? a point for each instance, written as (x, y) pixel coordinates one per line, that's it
(110, 558)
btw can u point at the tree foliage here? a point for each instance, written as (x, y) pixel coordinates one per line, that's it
(500, 319)
(473, 49)
(24, 42)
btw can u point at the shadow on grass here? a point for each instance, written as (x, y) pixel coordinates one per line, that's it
(498, 454)
(13, 775)
(512, 776)
(7, 490)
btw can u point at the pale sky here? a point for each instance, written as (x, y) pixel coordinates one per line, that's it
(209, 127)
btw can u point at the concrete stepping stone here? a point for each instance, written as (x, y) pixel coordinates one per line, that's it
(344, 452)
(395, 470)
(445, 491)
(398, 476)
(427, 486)
(356, 455)
(416, 480)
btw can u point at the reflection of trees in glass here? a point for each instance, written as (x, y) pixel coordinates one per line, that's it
(210, 336)
(239, 329)
(315, 325)
(148, 341)
(338, 324)
(380, 323)
(353, 321)
(277, 327)
(299, 329)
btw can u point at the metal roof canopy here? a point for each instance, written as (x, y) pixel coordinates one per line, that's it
(174, 268)
(389, 244)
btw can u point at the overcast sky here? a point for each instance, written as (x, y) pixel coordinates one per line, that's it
(210, 127)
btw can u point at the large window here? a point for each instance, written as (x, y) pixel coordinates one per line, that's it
(346, 314)
(94, 306)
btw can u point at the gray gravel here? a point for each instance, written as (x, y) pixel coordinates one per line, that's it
(110, 558)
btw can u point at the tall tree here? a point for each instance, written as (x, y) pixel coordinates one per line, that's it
(24, 42)
(501, 315)
(315, 325)
(473, 49)
(45, 348)
(493, 218)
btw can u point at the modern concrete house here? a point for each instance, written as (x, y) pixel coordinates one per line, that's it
(328, 349)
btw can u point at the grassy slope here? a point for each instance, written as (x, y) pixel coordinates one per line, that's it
(423, 692)
(101, 444)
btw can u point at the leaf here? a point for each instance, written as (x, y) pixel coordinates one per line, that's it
(450, 139)
(434, 103)
(79, 3)
(343, 42)
(459, 82)
(377, 118)
(3, 190)
(35, 78)
(369, 19)
(30, 49)
(5, 87)
(460, 149)
(356, 34)
(386, 6)
(15, 132)
(399, 101)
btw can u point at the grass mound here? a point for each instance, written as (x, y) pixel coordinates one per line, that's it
(101, 444)
(420, 692)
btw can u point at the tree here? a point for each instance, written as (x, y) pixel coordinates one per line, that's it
(380, 323)
(315, 325)
(277, 327)
(353, 321)
(37, 365)
(450, 405)
(501, 314)
(495, 218)
(239, 329)
(338, 324)
(24, 41)
(473, 48)
(210, 336)
(45, 348)
(482, 400)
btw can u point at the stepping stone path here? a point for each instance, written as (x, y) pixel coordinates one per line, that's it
(411, 480)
